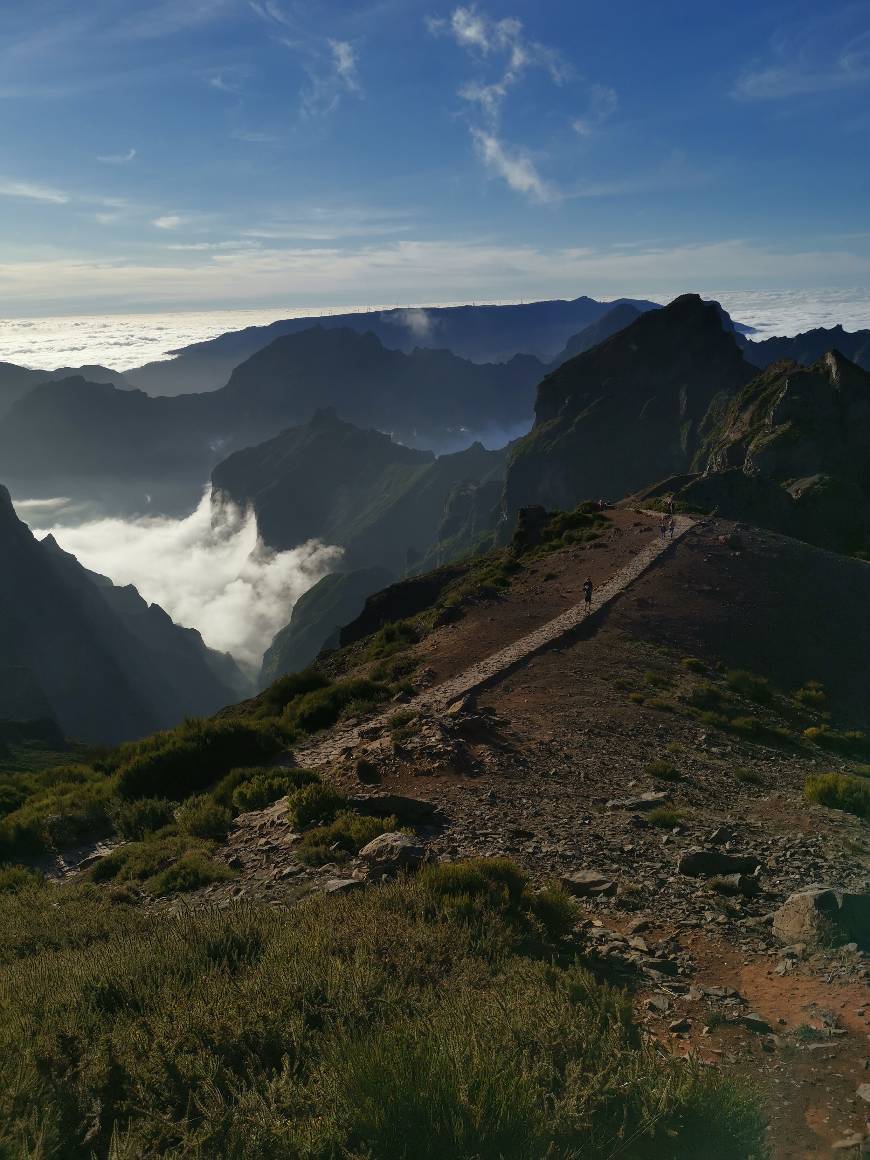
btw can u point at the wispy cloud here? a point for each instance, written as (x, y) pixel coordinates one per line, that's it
(28, 191)
(822, 55)
(505, 54)
(603, 103)
(330, 64)
(117, 158)
(515, 166)
(168, 221)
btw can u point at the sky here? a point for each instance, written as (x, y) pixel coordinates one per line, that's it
(205, 154)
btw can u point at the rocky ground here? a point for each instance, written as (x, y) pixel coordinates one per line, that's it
(553, 766)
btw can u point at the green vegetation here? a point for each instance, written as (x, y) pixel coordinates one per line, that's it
(315, 803)
(748, 776)
(202, 817)
(664, 817)
(163, 863)
(749, 685)
(345, 836)
(693, 665)
(839, 791)
(663, 770)
(322, 707)
(133, 820)
(427, 1019)
(56, 807)
(260, 787)
(849, 741)
(812, 696)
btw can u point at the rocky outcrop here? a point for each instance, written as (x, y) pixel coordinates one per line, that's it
(628, 411)
(790, 453)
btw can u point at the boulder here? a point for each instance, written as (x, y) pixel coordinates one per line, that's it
(823, 914)
(342, 885)
(698, 863)
(587, 883)
(389, 853)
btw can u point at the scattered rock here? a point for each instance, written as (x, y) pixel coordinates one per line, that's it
(721, 836)
(863, 1092)
(754, 1022)
(588, 883)
(745, 884)
(698, 863)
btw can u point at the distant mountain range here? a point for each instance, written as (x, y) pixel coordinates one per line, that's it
(99, 659)
(480, 334)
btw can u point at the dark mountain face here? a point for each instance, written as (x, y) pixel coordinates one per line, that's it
(629, 410)
(90, 440)
(109, 666)
(807, 348)
(478, 333)
(792, 452)
(329, 480)
(317, 618)
(605, 327)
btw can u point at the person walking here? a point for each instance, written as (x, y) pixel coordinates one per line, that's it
(587, 593)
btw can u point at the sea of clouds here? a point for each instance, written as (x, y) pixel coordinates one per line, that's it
(124, 341)
(209, 571)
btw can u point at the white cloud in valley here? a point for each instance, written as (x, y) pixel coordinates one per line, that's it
(209, 571)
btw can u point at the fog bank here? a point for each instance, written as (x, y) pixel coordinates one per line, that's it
(209, 571)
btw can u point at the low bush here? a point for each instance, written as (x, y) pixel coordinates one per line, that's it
(657, 679)
(390, 1024)
(661, 704)
(323, 707)
(812, 695)
(705, 696)
(186, 760)
(66, 807)
(392, 638)
(191, 872)
(839, 791)
(748, 776)
(133, 820)
(663, 770)
(693, 665)
(268, 785)
(342, 837)
(664, 817)
(314, 804)
(15, 878)
(202, 817)
(749, 685)
(848, 741)
(280, 693)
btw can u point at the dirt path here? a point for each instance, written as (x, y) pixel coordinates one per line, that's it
(506, 660)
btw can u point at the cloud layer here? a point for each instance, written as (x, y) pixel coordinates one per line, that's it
(209, 571)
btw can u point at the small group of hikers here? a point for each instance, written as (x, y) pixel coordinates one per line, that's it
(667, 527)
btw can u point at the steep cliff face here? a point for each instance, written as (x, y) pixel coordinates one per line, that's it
(107, 665)
(329, 480)
(792, 452)
(629, 411)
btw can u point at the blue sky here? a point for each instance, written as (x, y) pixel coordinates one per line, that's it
(195, 153)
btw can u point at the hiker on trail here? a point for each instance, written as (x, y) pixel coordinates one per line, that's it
(587, 593)
(670, 505)
(663, 527)
(672, 526)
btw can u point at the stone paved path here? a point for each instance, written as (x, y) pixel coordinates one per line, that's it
(499, 664)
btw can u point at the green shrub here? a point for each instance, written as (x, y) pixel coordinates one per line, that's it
(693, 665)
(661, 704)
(749, 685)
(748, 776)
(637, 698)
(67, 807)
(202, 817)
(268, 785)
(664, 817)
(390, 639)
(12, 795)
(554, 909)
(812, 695)
(346, 835)
(657, 679)
(15, 878)
(281, 692)
(188, 759)
(705, 696)
(190, 872)
(839, 791)
(848, 741)
(133, 820)
(386, 1024)
(663, 770)
(323, 707)
(316, 803)
(750, 726)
